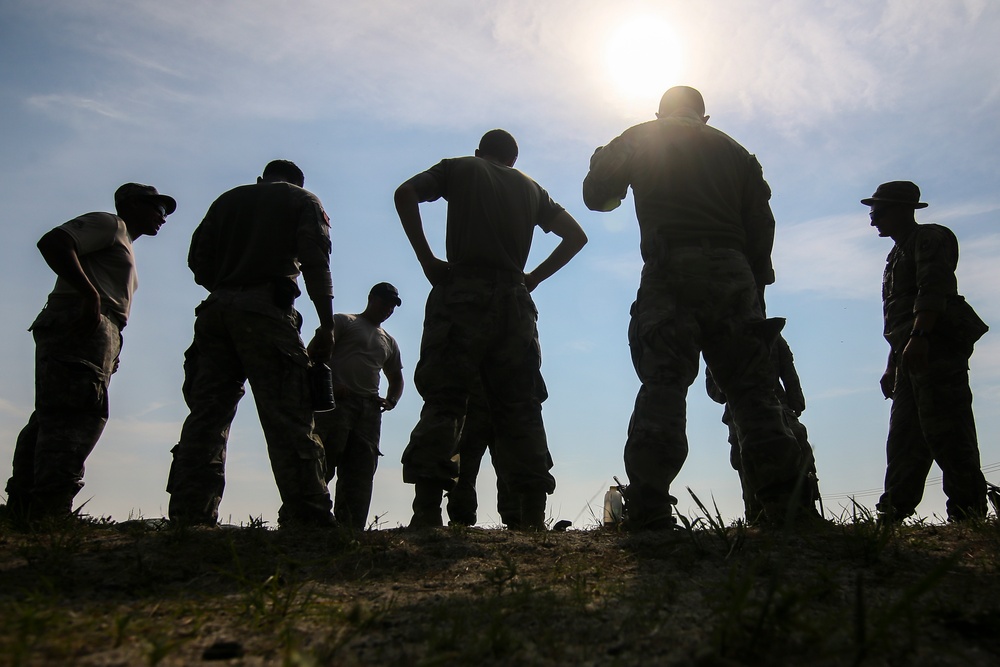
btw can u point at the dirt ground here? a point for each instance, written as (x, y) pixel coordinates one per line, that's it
(857, 593)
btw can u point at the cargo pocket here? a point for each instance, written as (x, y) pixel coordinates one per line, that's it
(71, 383)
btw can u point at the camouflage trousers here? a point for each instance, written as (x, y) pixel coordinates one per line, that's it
(931, 421)
(72, 373)
(240, 336)
(480, 328)
(704, 301)
(752, 507)
(350, 436)
(477, 437)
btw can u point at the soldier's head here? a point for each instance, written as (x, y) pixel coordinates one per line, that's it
(892, 207)
(382, 301)
(682, 97)
(284, 171)
(143, 209)
(499, 146)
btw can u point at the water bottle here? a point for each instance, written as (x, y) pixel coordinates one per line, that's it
(321, 388)
(614, 503)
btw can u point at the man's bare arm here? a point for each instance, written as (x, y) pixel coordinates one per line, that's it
(59, 251)
(573, 238)
(407, 200)
(395, 390)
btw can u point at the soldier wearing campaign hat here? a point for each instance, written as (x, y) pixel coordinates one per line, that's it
(931, 331)
(77, 343)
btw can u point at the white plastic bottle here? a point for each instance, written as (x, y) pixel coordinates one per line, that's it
(613, 506)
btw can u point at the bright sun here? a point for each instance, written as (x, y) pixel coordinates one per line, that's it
(643, 58)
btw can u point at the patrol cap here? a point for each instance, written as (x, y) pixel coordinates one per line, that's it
(140, 191)
(896, 192)
(387, 292)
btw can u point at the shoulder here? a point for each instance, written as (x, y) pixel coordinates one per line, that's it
(96, 223)
(933, 231)
(929, 238)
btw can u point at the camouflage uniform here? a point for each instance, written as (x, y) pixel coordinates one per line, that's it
(789, 392)
(706, 232)
(931, 419)
(350, 435)
(72, 374)
(72, 371)
(480, 325)
(352, 431)
(247, 251)
(477, 438)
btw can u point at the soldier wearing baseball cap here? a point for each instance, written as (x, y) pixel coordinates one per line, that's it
(387, 292)
(351, 433)
(78, 341)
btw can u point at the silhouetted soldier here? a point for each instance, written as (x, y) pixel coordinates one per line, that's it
(931, 331)
(788, 389)
(706, 232)
(481, 322)
(77, 344)
(248, 252)
(352, 431)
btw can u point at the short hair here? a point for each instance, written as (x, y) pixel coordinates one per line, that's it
(284, 170)
(500, 145)
(682, 97)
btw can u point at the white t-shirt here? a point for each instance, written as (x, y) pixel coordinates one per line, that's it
(105, 251)
(360, 352)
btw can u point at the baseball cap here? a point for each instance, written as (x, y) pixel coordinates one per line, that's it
(387, 292)
(140, 191)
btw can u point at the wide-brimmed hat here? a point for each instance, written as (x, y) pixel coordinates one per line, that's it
(387, 292)
(896, 192)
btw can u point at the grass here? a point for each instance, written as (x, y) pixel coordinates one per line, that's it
(709, 593)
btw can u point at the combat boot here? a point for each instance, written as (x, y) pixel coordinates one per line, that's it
(532, 512)
(426, 506)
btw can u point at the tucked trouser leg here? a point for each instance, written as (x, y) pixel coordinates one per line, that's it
(213, 387)
(356, 469)
(515, 390)
(477, 434)
(277, 369)
(908, 458)
(944, 409)
(664, 347)
(71, 409)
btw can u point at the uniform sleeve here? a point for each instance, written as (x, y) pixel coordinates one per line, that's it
(547, 210)
(936, 256)
(789, 376)
(432, 184)
(314, 247)
(758, 223)
(313, 239)
(201, 254)
(92, 232)
(607, 183)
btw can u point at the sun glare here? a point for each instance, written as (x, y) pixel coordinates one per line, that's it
(643, 58)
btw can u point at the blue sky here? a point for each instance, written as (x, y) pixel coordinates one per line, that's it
(196, 97)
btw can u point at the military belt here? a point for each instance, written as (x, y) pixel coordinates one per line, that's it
(499, 276)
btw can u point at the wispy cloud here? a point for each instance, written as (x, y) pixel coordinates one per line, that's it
(74, 106)
(833, 256)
